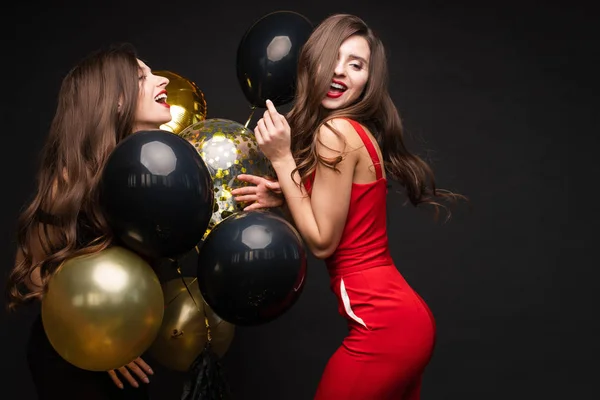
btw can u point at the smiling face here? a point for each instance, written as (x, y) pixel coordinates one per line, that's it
(350, 74)
(152, 108)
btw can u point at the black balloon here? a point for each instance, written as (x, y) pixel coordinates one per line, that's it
(157, 194)
(252, 267)
(267, 57)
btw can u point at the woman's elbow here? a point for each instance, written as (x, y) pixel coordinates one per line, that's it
(322, 252)
(320, 255)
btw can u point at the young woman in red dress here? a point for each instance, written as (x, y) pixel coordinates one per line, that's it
(333, 154)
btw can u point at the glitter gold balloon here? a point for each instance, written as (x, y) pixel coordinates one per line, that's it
(229, 149)
(187, 102)
(184, 330)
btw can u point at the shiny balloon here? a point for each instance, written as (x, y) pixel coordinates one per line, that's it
(102, 311)
(228, 149)
(252, 267)
(157, 194)
(267, 57)
(187, 102)
(184, 333)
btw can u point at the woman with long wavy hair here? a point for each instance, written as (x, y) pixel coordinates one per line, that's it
(333, 154)
(108, 96)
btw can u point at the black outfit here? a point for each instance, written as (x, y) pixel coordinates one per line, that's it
(56, 378)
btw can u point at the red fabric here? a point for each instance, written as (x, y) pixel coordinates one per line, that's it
(391, 329)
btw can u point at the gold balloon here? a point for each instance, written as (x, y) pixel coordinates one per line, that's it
(228, 149)
(187, 102)
(183, 333)
(102, 311)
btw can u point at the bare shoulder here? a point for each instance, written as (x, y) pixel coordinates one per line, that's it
(342, 138)
(341, 125)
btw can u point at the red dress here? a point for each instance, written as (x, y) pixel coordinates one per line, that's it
(391, 329)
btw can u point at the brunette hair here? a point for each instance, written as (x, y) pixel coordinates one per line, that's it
(95, 111)
(374, 109)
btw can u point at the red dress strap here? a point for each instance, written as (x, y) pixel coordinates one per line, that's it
(369, 145)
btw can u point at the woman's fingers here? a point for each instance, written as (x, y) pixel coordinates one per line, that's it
(143, 365)
(125, 373)
(246, 199)
(115, 379)
(137, 370)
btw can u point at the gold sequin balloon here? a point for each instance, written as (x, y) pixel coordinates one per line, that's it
(228, 149)
(187, 102)
(184, 331)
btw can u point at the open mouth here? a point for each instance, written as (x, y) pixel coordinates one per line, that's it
(336, 89)
(161, 98)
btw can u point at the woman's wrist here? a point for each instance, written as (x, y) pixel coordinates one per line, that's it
(283, 160)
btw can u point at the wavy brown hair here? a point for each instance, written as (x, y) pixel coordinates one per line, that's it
(374, 109)
(96, 109)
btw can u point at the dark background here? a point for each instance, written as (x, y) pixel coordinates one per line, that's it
(499, 95)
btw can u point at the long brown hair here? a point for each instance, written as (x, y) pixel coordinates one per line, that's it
(96, 109)
(375, 109)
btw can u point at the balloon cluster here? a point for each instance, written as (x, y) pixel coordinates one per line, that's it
(166, 193)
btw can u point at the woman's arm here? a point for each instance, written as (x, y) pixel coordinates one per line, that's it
(320, 218)
(287, 214)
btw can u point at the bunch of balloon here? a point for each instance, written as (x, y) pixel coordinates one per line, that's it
(267, 58)
(252, 267)
(228, 148)
(187, 102)
(104, 310)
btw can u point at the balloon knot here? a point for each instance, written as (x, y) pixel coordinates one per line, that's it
(176, 333)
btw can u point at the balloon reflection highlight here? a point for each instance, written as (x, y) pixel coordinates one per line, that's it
(110, 278)
(158, 158)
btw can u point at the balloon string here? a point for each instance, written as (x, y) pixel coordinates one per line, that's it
(187, 288)
(178, 294)
(203, 311)
(250, 117)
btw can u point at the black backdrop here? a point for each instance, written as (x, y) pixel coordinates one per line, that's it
(499, 96)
